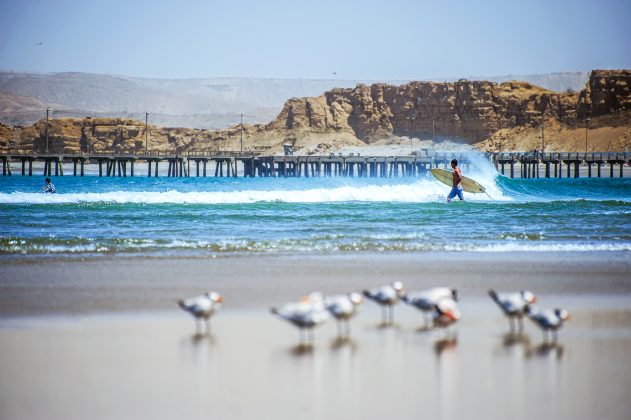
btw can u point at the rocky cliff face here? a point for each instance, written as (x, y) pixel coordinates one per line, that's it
(467, 111)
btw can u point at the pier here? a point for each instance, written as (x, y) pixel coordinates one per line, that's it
(247, 164)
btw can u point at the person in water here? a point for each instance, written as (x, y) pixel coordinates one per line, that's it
(456, 190)
(48, 186)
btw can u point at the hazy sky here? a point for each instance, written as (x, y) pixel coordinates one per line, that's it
(376, 40)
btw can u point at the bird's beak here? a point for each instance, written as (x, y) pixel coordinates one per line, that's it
(220, 299)
(451, 316)
(534, 299)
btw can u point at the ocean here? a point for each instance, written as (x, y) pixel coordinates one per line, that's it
(212, 217)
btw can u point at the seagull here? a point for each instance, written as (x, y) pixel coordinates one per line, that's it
(306, 314)
(513, 305)
(386, 296)
(548, 320)
(39, 44)
(426, 300)
(445, 313)
(202, 307)
(343, 308)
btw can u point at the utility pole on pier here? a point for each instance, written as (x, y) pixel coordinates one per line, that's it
(433, 133)
(47, 111)
(543, 141)
(241, 133)
(146, 131)
(586, 128)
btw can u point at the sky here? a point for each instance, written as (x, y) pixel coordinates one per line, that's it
(323, 39)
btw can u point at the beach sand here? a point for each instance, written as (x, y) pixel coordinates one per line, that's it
(103, 338)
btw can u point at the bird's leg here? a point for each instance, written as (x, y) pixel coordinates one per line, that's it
(555, 336)
(339, 328)
(384, 316)
(511, 325)
(310, 333)
(208, 326)
(348, 328)
(198, 326)
(521, 324)
(300, 336)
(391, 321)
(427, 320)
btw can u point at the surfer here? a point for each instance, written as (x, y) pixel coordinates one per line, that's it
(48, 187)
(456, 189)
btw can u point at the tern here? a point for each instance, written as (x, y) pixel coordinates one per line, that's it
(548, 320)
(445, 313)
(305, 315)
(343, 308)
(426, 300)
(386, 296)
(514, 305)
(202, 307)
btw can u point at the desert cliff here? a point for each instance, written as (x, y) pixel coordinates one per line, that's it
(490, 116)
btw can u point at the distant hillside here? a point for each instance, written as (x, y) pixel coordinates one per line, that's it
(195, 103)
(491, 116)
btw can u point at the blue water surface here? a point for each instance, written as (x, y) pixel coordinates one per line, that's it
(93, 216)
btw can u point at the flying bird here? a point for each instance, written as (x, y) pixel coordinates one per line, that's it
(386, 296)
(202, 307)
(550, 321)
(513, 305)
(426, 300)
(343, 308)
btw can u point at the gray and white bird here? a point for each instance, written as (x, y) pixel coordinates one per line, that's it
(386, 296)
(550, 321)
(426, 300)
(202, 307)
(307, 314)
(445, 313)
(514, 305)
(343, 308)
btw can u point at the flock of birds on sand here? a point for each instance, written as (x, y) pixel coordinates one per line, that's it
(438, 306)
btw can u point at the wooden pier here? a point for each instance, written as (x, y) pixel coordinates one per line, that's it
(550, 165)
(233, 164)
(230, 164)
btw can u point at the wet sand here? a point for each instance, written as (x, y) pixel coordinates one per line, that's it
(103, 339)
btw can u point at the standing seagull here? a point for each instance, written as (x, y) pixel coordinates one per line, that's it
(202, 307)
(306, 314)
(514, 305)
(343, 308)
(548, 320)
(445, 313)
(426, 300)
(386, 296)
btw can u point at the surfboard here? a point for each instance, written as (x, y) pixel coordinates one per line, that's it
(468, 185)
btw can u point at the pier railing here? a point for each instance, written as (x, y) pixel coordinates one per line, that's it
(250, 164)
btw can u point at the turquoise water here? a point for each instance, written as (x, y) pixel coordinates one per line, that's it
(94, 216)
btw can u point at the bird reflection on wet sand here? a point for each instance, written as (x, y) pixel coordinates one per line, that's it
(341, 343)
(444, 344)
(511, 339)
(201, 338)
(546, 349)
(301, 349)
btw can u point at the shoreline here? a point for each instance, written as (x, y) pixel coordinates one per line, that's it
(104, 339)
(126, 284)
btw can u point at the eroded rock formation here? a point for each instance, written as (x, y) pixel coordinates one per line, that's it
(467, 111)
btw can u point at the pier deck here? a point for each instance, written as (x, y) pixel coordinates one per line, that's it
(233, 164)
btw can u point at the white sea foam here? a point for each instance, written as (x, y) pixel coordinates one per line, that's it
(425, 190)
